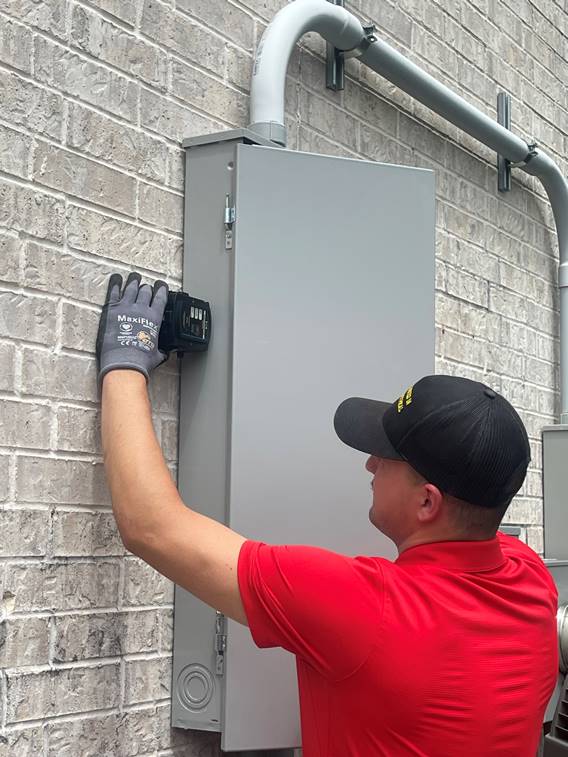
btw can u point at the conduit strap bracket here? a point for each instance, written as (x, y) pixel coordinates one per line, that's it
(530, 155)
(335, 58)
(503, 164)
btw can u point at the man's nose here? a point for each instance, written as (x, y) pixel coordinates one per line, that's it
(371, 464)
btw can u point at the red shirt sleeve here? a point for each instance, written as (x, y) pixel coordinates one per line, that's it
(323, 607)
(513, 547)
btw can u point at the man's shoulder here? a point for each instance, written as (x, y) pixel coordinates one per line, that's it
(511, 545)
(514, 548)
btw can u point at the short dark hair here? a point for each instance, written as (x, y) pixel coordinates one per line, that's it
(475, 520)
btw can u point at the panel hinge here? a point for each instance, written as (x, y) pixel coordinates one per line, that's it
(230, 218)
(220, 643)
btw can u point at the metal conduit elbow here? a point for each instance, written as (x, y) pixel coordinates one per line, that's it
(345, 31)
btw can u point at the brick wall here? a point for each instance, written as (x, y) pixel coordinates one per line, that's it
(96, 98)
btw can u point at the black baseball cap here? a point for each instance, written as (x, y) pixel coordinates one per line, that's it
(459, 434)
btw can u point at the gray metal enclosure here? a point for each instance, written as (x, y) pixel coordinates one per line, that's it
(321, 288)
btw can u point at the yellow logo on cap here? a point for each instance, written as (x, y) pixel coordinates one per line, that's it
(404, 400)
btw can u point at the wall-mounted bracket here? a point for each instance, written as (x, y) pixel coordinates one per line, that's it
(503, 165)
(335, 62)
(335, 59)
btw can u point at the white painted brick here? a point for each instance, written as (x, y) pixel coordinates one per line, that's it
(466, 287)
(35, 213)
(10, 254)
(375, 111)
(138, 247)
(224, 17)
(25, 533)
(169, 438)
(24, 641)
(176, 168)
(311, 141)
(24, 424)
(127, 735)
(27, 317)
(467, 318)
(509, 304)
(7, 367)
(161, 208)
(166, 620)
(329, 120)
(239, 68)
(31, 696)
(79, 327)
(48, 16)
(67, 172)
(164, 389)
(83, 637)
(57, 272)
(102, 137)
(420, 139)
(176, 31)
(208, 94)
(16, 45)
(82, 78)
(376, 146)
(78, 429)
(23, 743)
(535, 538)
(172, 120)
(462, 224)
(67, 377)
(62, 586)
(125, 10)
(390, 19)
(4, 472)
(85, 534)
(15, 149)
(145, 586)
(147, 680)
(101, 39)
(57, 481)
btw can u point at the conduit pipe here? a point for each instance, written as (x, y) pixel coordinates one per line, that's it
(345, 31)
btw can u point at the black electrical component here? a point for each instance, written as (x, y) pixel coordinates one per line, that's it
(186, 326)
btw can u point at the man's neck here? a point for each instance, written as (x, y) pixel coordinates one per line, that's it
(418, 538)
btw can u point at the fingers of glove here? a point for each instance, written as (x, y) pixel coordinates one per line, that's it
(144, 295)
(131, 289)
(114, 287)
(160, 298)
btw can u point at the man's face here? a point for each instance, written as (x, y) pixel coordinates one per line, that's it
(396, 491)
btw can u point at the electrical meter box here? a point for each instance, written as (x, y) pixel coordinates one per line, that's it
(320, 275)
(555, 491)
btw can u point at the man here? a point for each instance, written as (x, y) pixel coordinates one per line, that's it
(451, 650)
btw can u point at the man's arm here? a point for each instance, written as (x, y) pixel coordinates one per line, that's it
(196, 552)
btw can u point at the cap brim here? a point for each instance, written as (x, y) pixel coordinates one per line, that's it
(358, 423)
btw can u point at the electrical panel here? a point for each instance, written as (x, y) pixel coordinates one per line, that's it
(320, 275)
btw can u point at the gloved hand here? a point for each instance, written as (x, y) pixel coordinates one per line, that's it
(130, 324)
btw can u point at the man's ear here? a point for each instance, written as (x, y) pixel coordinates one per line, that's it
(431, 503)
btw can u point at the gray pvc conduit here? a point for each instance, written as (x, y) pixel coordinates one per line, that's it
(344, 31)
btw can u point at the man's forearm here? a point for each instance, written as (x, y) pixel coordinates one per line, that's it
(142, 490)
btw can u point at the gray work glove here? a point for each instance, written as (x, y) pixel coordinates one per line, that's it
(130, 324)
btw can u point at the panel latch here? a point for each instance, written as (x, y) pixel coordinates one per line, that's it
(230, 217)
(220, 643)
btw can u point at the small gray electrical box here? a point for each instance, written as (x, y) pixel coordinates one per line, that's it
(320, 276)
(555, 486)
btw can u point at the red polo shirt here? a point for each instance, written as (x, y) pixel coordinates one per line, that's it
(450, 651)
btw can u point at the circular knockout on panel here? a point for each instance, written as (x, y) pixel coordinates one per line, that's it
(195, 687)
